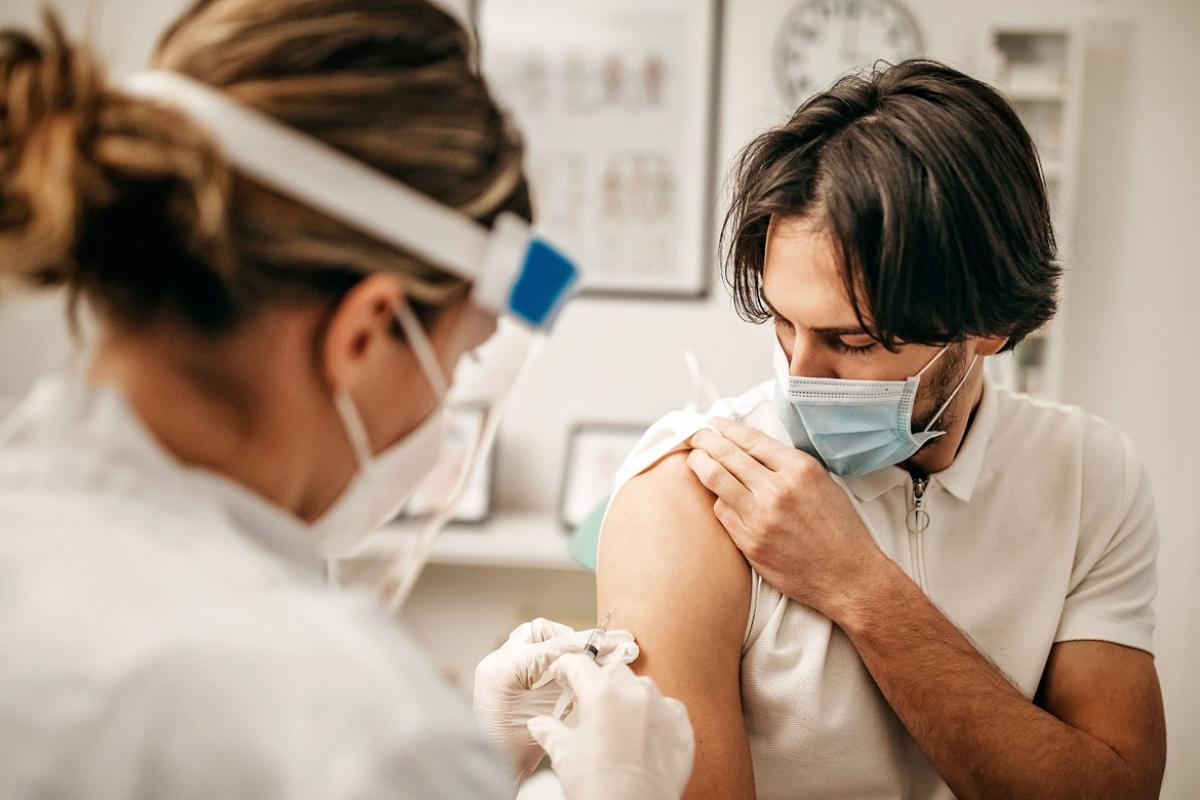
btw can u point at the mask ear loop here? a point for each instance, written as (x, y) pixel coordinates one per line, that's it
(399, 578)
(348, 411)
(422, 349)
(953, 394)
(356, 432)
(353, 424)
(932, 361)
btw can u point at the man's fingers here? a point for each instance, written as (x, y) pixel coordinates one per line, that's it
(770, 452)
(718, 480)
(737, 461)
(732, 522)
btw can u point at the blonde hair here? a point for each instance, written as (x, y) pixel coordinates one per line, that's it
(128, 204)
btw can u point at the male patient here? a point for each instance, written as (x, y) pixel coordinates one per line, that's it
(887, 577)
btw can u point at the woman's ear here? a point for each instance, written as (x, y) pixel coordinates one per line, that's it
(359, 330)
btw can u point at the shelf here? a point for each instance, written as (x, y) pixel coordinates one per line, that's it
(509, 540)
(1038, 63)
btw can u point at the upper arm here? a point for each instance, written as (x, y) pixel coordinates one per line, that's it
(673, 577)
(1110, 692)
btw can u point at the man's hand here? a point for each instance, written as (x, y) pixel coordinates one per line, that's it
(795, 526)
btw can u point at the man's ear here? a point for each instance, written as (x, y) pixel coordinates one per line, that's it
(360, 330)
(989, 347)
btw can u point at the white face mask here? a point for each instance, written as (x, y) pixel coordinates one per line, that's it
(384, 481)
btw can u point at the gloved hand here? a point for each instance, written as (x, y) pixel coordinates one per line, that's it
(512, 685)
(629, 742)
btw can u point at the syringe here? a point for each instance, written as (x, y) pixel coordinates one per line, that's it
(562, 707)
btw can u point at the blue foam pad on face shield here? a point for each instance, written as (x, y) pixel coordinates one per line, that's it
(545, 282)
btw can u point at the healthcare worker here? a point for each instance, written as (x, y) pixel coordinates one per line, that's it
(284, 237)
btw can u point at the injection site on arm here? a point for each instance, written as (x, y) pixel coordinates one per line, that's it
(675, 580)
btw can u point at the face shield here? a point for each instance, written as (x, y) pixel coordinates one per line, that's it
(519, 284)
(512, 305)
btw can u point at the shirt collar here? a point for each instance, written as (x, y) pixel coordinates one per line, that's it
(960, 478)
(875, 484)
(259, 519)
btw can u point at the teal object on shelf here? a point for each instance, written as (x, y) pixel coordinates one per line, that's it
(585, 539)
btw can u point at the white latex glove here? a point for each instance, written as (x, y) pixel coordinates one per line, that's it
(512, 685)
(629, 741)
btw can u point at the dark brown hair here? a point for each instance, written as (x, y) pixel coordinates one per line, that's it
(129, 204)
(933, 193)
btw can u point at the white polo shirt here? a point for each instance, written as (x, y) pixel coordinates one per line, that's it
(1041, 531)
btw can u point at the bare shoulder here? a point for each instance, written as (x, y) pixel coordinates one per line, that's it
(675, 579)
(666, 565)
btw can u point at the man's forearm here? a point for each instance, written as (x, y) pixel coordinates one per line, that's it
(981, 734)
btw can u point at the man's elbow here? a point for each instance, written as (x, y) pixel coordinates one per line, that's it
(1114, 776)
(1145, 776)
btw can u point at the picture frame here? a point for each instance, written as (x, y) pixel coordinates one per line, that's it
(464, 421)
(595, 451)
(617, 101)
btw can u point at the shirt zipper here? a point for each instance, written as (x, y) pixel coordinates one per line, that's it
(916, 522)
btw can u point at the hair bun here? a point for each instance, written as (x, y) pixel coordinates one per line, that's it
(100, 192)
(51, 92)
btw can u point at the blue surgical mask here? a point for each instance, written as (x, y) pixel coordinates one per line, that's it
(854, 427)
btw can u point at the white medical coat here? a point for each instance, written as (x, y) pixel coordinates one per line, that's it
(165, 633)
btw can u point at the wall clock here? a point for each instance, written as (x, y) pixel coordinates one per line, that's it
(821, 40)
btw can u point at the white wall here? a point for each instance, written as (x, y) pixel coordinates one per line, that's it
(1130, 353)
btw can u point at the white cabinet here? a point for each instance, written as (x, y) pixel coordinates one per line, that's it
(1040, 69)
